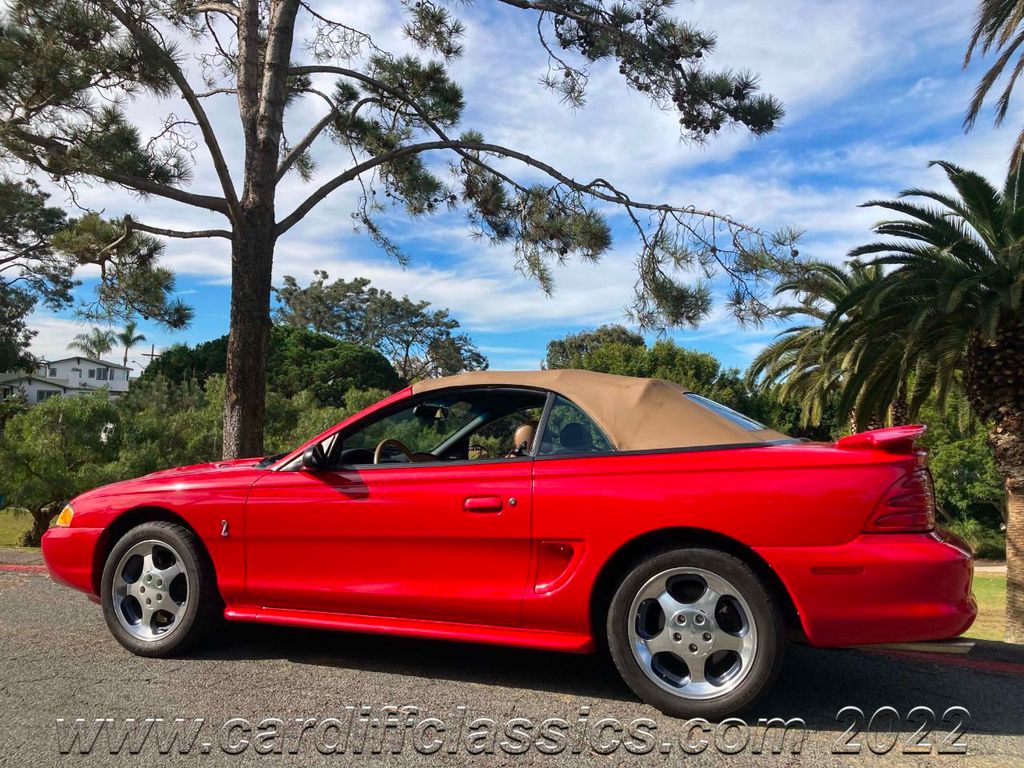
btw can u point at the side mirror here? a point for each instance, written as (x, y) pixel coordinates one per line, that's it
(314, 458)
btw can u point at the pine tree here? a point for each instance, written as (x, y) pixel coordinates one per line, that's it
(68, 69)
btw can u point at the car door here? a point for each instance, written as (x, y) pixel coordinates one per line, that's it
(443, 540)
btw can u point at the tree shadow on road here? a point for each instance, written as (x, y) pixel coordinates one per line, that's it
(814, 684)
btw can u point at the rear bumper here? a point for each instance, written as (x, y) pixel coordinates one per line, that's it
(69, 555)
(879, 588)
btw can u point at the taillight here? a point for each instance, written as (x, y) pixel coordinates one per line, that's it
(908, 505)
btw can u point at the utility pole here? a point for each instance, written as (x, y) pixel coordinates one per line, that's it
(152, 354)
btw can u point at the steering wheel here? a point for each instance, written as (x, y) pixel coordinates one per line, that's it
(481, 450)
(378, 452)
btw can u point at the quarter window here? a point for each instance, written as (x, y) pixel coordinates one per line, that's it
(571, 431)
(726, 413)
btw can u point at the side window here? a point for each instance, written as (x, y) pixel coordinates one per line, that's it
(497, 438)
(448, 426)
(570, 431)
(421, 429)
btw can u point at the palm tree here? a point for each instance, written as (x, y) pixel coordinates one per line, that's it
(94, 344)
(999, 27)
(129, 338)
(804, 361)
(955, 292)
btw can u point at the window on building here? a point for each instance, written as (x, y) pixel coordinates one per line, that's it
(92, 373)
(45, 394)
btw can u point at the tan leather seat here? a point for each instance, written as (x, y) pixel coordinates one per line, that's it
(522, 440)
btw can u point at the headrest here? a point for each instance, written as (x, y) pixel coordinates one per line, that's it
(575, 437)
(525, 433)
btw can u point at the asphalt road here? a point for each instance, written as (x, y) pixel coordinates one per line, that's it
(58, 661)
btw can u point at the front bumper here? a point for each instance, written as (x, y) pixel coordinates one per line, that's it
(879, 588)
(69, 554)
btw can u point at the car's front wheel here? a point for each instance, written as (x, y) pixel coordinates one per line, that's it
(158, 590)
(695, 633)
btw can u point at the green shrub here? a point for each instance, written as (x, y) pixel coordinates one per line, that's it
(988, 544)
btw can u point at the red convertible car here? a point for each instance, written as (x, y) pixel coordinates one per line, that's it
(561, 510)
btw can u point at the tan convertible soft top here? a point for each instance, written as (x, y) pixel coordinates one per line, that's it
(636, 414)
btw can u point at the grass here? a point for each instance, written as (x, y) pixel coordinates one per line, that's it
(12, 526)
(990, 592)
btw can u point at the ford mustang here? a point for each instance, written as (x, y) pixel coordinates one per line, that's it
(559, 510)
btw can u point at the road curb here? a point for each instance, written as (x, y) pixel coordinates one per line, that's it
(21, 556)
(22, 568)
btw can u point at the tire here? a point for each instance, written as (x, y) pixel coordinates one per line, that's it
(661, 618)
(158, 590)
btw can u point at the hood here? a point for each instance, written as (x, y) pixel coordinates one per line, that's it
(167, 477)
(208, 466)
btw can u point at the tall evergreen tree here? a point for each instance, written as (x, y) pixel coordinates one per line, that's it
(68, 67)
(954, 295)
(419, 341)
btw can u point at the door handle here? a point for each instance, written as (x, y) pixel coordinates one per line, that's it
(482, 504)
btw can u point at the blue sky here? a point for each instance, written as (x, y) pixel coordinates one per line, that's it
(873, 91)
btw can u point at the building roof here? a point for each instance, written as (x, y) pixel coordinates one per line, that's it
(87, 359)
(13, 378)
(636, 414)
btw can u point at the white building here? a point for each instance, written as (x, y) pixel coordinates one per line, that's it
(66, 377)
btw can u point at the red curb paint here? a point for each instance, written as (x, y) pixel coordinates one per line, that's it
(19, 567)
(965, 662)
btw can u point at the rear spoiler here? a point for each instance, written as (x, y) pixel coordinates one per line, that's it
(891, 439)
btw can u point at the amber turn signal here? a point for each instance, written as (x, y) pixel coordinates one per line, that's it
(64, 518)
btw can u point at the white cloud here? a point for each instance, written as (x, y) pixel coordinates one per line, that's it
(841, 69)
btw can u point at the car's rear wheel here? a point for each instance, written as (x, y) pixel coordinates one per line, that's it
(695, 633)
(158, 590)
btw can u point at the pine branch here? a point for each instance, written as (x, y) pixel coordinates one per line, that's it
(228, 9)
(597, 188)
(145, 40)
(296, 152)
(131, 225)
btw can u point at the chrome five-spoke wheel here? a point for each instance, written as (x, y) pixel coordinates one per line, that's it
(150, 590)
(158, 589)
(692, 632)
(696, 631)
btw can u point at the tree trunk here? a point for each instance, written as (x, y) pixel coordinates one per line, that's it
(1007, 441)
(872, 423)
(1015, 568)
(252, 259)
(899, 411)
(262, 92)
(995, 386)
(41, 518)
